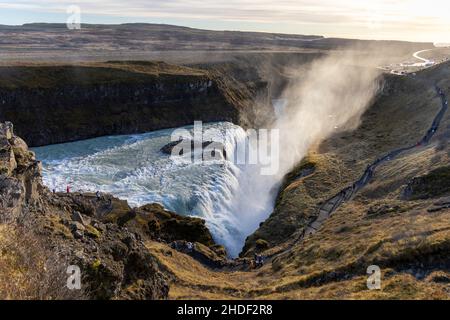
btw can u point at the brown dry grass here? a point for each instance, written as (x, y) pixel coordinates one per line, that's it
(29, 270)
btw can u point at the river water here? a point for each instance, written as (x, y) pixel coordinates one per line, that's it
(132, 167)
(232, 198)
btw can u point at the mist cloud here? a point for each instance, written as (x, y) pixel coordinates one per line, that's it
(330, 97)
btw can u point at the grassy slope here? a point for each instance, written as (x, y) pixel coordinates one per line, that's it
(404, 232)
(47, 76)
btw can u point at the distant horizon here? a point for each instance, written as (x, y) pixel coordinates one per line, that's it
(226, 30)
(396, 20)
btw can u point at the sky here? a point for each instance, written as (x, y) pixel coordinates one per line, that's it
(410, 20)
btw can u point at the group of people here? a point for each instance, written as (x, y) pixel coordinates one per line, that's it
(258, 261)
(67, 189)
(186, 247)
(98, 195)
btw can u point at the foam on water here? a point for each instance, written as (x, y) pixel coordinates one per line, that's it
(132, 167)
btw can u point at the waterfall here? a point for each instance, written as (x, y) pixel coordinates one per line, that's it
(132, 167)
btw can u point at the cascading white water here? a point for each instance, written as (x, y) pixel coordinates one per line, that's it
(133, 168)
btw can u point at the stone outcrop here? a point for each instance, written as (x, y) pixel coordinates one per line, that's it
(20, 174)
(209, 149)
(150, 221)
(434, 184)
(113, 260)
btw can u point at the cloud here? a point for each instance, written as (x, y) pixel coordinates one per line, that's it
(396, 17)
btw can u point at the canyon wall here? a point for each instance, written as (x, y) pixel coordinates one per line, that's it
(55, 104)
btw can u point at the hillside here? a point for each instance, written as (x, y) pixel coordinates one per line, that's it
(55, 43)
(43, 233)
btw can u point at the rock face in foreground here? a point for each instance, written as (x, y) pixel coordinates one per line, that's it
(20, 174)
(114, 261)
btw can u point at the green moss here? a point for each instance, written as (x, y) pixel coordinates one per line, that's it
(120, 209)
(303, 169)
(96, 264)
(219, 250)
(154, 226)
(92, 232)
(262, 244)
(106, 73)
(3, 170)
(55, 225)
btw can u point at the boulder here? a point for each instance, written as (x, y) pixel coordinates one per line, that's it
(77, 217)
(168, 148)
(76, 226)
(7, 161)
(432, 185)
(6, 130)
(170, 226)
(212, 257)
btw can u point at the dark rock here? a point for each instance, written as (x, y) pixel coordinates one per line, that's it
(78, 234)
(441, 278)
(76, 226)
(76, 216)
(205, 255)
(170, 227)
(219, 147)
(157, 223)
(380, 210)
(262, 245)
(432, 185)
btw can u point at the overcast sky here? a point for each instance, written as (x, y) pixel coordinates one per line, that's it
(375, 19)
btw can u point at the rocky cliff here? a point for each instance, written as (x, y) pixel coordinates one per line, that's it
(54, 104)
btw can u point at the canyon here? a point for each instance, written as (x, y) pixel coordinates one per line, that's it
(398, 220)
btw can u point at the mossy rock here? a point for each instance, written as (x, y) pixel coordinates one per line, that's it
(170, 226)
(56, 226)
(219, 250)
(92, 232)
(306, 167)
(432, 185)
(96, 265)
(120, 210)
(154, 226)
(262, 244)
